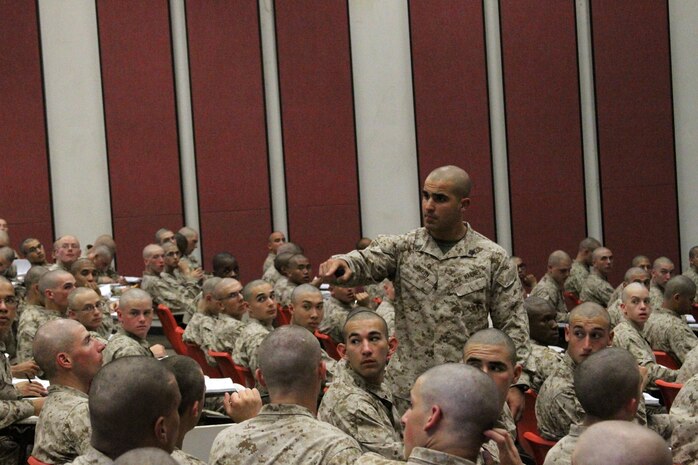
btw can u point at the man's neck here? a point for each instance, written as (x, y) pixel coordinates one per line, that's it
(69, 380)
(307, 399)
(52, 307)
(454, 235)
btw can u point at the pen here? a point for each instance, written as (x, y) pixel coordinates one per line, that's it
(29, 379)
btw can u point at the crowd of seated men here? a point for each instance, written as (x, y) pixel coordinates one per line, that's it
(114, 397)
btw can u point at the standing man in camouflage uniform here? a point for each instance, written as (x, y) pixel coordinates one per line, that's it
(286, 430)
(692, 271)
(580, 266)
(596, 287)
(136, 315)
(551, 286)
(666, 328)
(358, 402)
(662, 271)
(69, 357)
(448, 279)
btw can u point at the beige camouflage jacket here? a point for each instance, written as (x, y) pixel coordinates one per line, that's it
(669, 332)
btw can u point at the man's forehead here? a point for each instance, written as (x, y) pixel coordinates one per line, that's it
(489, 352)
(6, 289)
(595, 322)
(364, 325)
(310, 298)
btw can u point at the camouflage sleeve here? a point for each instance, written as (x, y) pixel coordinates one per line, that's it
(374, 263)
(252, 346)
(78, 429)
(371, 458)
(556, 413)
(177, 300)
(682, 340)
(684, 438)
(345, 451)
(14, 410)
(689, 367)
(655, 371)
(25, 339)
(240, 351)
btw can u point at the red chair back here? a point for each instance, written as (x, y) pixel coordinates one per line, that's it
(571, 299)
(328, 344)
(170, 327)
(283, 316)
(528, 421)
(195, 352)
(668, 391)
(666, 359)
(539, 446)
(34, 461)
(227, 366)
(246, 374)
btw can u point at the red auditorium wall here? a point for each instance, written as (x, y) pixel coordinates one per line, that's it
(449, 76)
(544, 141)
(632, 70)
(227, 92)
(141, 124)
(317, 113)
(25, 199)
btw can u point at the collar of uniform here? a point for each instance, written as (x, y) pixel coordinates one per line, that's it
(567, 360)
(423, 455)
(140, 341)
(576, 430)
(341, 304)
(285, 409)
(463, 248)
(253, 321)
(377, 390)
(668, 311)
(53, 388)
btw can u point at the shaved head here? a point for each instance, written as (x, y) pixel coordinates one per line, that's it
(630, 290)
(460, 180)
(33, 275)
(361, 314)
(599, 252)
(589, 244)
(190, 380)
(289, 358)
(590, 310)
(51, 279)
(660, 262)
(620, 443)
(303, 290)
(75, 295)
(151, 249)
(133, 295)
(635, 274)
(51, 338)
(681, 285)
(493, 337)
(559, 257)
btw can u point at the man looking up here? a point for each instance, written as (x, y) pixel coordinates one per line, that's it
(286, 430)
(609, 387)
(666, 329)
(143, 386)
(581, 264)
(54, 287)
(275, 240)
(135, 312)
(552, 285)
(298, 271)
(596, 287)
(33, 250)
(662, 271)
(259, 300)
(358, 401)
(557, 407)
(70, 358)
(460, 275)
(629, 334)
(66, 250)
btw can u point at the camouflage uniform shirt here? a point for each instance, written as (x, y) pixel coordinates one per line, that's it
(365, 412)
(656, 296)
(684, 416)
(185, 459)
(386, 310)
(689, 367)
(286, 434)
(268, 262)
(32, 317)
(691, 273)
(561, 453)
(12, 409)
(419, 456)
(63, 430)
(226, 333)
(596, 289)
(543, 362)
(615, 313)
(283, 290)
(123, 344)
(549, 290)
(627, 336)
(669, 332)
(460, 288)
(166, 290)
(578, 274)
(92, 457)
(335, 315)
(557, 406)
(245, 350)
(201, 331)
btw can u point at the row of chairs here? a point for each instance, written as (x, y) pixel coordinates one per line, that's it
(226, 367)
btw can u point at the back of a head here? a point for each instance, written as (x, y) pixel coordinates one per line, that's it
(34, 275)
(107, 241)
(288, 358)
(209, 285)
(289, 247)
(51, 279)
(7, 253)
(190, 379)
(182, 243)
(50, 339)
(140, 385)
(146, 456)
(103, 251)
(620, 443)
(606, 382)
(281, 260)
(589, 244)
(468, 399)
(681, 285)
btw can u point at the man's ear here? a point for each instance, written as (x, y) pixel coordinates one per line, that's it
(435, 417)
(567, 333)
(195, 409)
(161, 431)
(119, 314)
(610, 338)
(342, 350)
(322, 370)
(464, 203)
(517, 372)
(260, 377)
(63, 360)
(392, 346)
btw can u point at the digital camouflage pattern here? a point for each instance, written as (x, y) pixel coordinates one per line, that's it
(684, 416)
(226, 332)
(596, 289)
(561, 453)
(628, 337)
(419, 456)
(166, 290)
(123, 344)
(283, 290)
(689, 367)
(693, 276)
(185, 459)
(92, 457)
(667, 331)
(656, 296)
(335, 316)
(365, 412)
(578, 274)
(557, 406)
(615, 313)
(268, 262)
(542, 363)
(386, 310)
(548, 289)
(286, 434)
(201, 330)
(32, 317)
(245, 350)
(272, 276)
(441, 299)
(63, 430)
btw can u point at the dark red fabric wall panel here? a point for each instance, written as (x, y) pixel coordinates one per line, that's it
(25, 199)
(635, 129)
(544, 142)
(141, 123)
(318, 126)
(228, 109)
(450, 97)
